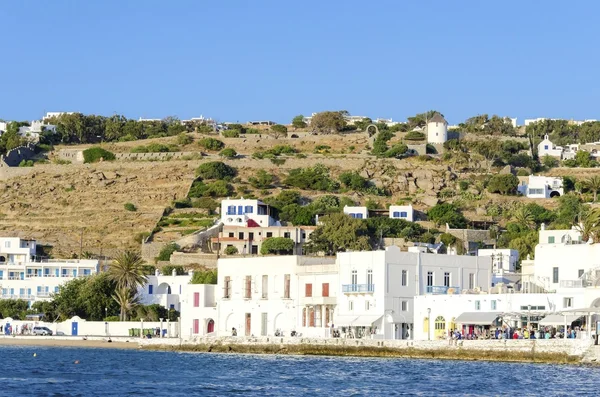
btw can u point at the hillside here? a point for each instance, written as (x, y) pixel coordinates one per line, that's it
(55, 203)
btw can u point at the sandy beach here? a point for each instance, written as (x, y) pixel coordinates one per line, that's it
(117, 343)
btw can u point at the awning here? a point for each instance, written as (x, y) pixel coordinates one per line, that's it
(356, 321)
(477, 318)
(396, 318)
(559, 319)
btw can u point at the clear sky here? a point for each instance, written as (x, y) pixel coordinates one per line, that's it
(243, 60)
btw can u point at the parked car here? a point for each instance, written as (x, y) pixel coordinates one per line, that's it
(42, 331)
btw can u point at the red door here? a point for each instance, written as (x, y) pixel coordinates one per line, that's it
(248, 323)
(211, 327)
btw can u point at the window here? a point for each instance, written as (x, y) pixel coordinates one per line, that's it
(286, 286)
(367, 305)
(567, 302)
(241, 235)
(404, 306)
(196, 299)
(7, 244)
(265, 287)
(403, 214)
(446, 279)
(404, 277)
(545, 147)
(250, 236)
(240, 210)
(308, 290)
(370, 278)
(550, 239)
(396, 214)
(150, 289)
(493, 305)
(249, 209)
(429, 279)
(231, 210)
(269, 234)
(555, 275)
(350, 305)
(359, 216)
(354, 277)
(286, 235)
(471, 280)
(580, 273)
(477, 305)
(248, 287)
(325, 290)
(536, 191)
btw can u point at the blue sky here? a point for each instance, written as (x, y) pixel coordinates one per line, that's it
(243, 60)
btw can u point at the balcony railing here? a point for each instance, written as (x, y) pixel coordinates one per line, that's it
(571, 283)
(358, 288)
(440, 289)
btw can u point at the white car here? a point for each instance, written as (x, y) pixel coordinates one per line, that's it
(42, 331)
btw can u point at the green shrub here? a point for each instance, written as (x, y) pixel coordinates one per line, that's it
(231, 133)
(414, 136)
(130, 207)
(168, 270)
(277, 161)
(206, 203)
(523, 172)
(183, 203)
(444, 213)
(112, 319)
(312, 178)
(184, 139)
(211, 144)
(95, 154)
(204, 277)
(277, 245)
(60, 161)
(230, 250)
(228, 153)
(503, 184)
(26, 163)
(215, 170)
(165, 253)
(463, 185)
(141, 237)
(263, 180)
(217, 188)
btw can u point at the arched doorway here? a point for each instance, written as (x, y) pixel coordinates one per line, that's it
(210, 327)
(278, 324)
(440, 327)
(452, 326)
(164, 288)
(229, 323)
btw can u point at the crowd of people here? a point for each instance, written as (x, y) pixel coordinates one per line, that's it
(8, 329)
(516, 333)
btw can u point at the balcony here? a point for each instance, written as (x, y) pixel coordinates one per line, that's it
(571, 283)
(441, 290)
(358, 288)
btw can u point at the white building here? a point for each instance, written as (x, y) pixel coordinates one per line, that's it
(504, 260)
(25, 276)
(199, 311)
(437, 129)
(245, 212)
(547, 148)
(165, 290)
(356, 212)
(377, 288)
(249, 240)
(541, 187)
(402, 212)
(276, 295)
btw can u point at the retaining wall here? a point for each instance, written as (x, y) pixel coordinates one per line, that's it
(13, 157)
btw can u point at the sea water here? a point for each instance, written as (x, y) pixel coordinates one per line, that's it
(55, 371)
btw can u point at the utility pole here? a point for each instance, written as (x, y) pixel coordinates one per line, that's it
(81, 245)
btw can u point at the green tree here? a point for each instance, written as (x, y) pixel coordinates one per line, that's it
(167, 270)
(447, 213)
(338, 233)
(448, 239)
(313, 178)
(95, 154)
(298, 122)
(126, 270)
(167, 251)
(584, 159)
(524, 216)
(15, 308)
(593, 185)
(328, 122)
(126, 300)
(184, 139)
(277, 245)
(503, 184)
(231, 250)
(205, 276)
(211, 144)
(278, 131)
(549, 162)
(215, 170)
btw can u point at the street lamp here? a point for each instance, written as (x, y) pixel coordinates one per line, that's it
(105, 312)
(428, 324)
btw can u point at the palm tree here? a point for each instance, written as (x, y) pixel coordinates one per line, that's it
(523, 216)
(593, 184)
(589, 226)
(126, 300)
(126, 270)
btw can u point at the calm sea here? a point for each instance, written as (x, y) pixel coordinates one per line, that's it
(107, 372)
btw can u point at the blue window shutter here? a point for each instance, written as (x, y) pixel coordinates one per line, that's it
(403, 214)
(396, 214)
(240, 210)
(150, 287)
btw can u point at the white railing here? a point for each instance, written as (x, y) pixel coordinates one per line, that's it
(571, 284)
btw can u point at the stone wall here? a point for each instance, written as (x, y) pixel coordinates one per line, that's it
(13, 157)
(572, 347)
(150, 250)
(186, 259)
